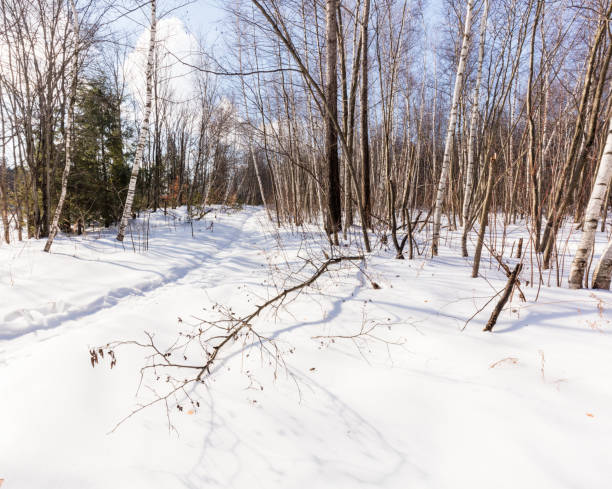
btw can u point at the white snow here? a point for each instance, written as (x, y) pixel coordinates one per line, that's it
(431, 406)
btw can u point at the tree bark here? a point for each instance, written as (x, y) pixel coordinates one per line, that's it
(484, 220)
(557, 207)
(452, 122)
(68, 142)
(533, 169)
(3, 187)
(365, 144)
(144, 130)
(469, 177)
(601, 276)
(504, 298)
(331, 119)
(603, 270)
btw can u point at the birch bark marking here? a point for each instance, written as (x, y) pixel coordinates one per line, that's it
(603, 271)
(469, 178)
(601, 277)
(70, 119)
(452, 122)
(144, 130)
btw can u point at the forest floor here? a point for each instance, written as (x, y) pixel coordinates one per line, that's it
(417, 402)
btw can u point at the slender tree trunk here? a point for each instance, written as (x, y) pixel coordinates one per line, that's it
(365, 144)
(484, 219)
(3, 187)
(533, 167)
(452, 122)
(603, 270)
(593, 211)
(469, 177)
(68, 132)
(557, 207)
(251, 149)
(144, 130)
(331, 119)
(577, 174)
(348, 218)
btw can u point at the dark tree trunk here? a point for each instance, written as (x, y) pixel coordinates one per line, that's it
(365, 144)
(331, 131)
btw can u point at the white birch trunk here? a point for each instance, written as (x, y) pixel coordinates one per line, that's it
(68, 142)
(144, 130)
(603, 270)
(469, 179)
(601, 277)
(452, 122)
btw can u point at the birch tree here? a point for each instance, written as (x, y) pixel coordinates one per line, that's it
(452, 123)
(144, 130)
(68, 141)
(571, 167)
(587, 239)
(469, 178)
(603, 270)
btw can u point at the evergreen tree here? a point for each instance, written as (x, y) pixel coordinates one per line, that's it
(101, 174)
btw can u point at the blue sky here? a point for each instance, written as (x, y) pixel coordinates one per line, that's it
(202, 15)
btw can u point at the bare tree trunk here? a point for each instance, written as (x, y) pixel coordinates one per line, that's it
(331, 120)
(557, 207)
(484, 220)
(3, 189)
(144, 130)
(603, 270)
(533, 168)
(365, 144)
(251, 149)
(469, 177)
(452, 122)
(593, 211)
(68, 142)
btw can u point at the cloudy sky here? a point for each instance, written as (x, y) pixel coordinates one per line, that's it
(180, 27)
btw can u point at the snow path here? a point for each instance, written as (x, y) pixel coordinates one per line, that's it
(53, 313)
(528, 406)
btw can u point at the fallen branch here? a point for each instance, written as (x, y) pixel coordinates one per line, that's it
(504, 298)
(212, 336)
(245, 322)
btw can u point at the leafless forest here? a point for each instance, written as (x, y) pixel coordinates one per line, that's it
(345, 113)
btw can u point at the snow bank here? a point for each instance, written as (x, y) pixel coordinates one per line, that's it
(418, 403)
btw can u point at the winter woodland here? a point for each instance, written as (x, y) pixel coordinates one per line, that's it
(305, 243)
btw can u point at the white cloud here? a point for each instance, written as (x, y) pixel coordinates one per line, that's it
(176, 50)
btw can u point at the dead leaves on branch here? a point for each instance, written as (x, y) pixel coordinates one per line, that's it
(95, 356)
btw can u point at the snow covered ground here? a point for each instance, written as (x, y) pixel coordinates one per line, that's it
(429, 406)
